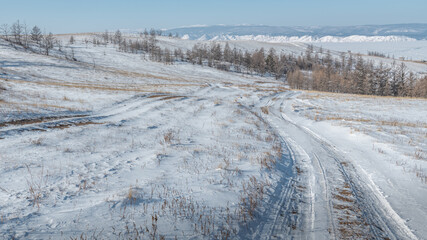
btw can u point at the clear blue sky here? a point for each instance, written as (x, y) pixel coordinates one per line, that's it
(62, 16)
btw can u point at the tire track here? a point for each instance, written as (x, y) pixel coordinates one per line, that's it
(277, 222)
(327, 196)
(117, 109)
(381, 223)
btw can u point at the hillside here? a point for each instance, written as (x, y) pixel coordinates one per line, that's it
(114, 145)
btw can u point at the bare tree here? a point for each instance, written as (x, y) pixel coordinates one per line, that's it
(168, 56)
(216, 51)
(410, 84)
(47, 43)
(152, 43)
(271, 61)
(106, 36)
(247, 60)
(382, 76)
(16, 31)
(371, 83)
(400, 79)
(258, 61)
(359, 76)
(118, 37)
(152, 32)
(36, 34)
(26, 36)
(178, 54)
(4, 28)
(227, 53)
(420, 89)
(71, 41)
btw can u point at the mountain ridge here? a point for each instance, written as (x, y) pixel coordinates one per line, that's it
(416, 31)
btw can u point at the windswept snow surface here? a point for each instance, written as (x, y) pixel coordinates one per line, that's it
(116, 146)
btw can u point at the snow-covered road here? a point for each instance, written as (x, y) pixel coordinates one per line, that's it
(341, 201)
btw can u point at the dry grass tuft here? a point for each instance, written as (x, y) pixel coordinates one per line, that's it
(37, 142)
(169, 137)
(265, 110)
(36, 186)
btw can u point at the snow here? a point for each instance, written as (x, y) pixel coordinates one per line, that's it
(308, 38)
(120, 154)
(415, 31)
(115, 141)
(385, 141)
(410, 50)
(413, 52)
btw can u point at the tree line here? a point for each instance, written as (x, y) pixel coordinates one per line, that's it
(353, 74)
(312, 70)
(19, 34)
(214, 54)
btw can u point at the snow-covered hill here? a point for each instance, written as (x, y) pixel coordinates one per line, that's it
(115, 146)
(305, 39)
(369, 33)
(410, 51)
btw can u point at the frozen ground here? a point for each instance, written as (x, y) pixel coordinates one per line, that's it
(116, 146)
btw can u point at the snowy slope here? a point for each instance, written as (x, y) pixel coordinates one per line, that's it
(308, 39)
(90, 148)
(115, 145)
(414, 50)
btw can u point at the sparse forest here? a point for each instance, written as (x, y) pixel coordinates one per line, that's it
(353, 74)
(314, 70)
(19, 35)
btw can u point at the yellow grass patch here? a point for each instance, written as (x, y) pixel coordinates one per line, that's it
(37, 120)
(145, 87)
(38, 105)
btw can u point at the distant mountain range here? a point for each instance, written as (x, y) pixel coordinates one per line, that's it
(392, 32)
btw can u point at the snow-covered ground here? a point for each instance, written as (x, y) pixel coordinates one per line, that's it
(307, 38)
(122, 142)
(384, 138)
(412, 53)
(117, 146)
(410, 50)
